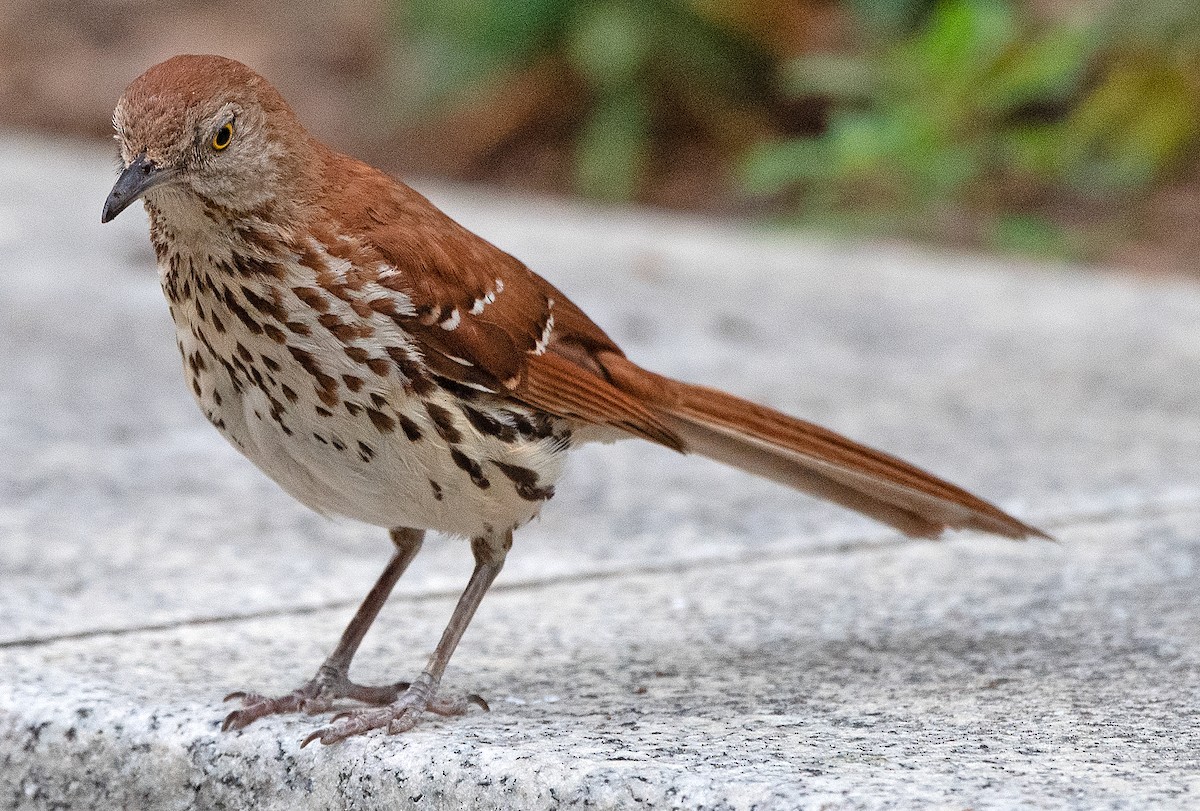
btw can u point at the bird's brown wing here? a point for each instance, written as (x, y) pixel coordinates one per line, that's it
(483, 319)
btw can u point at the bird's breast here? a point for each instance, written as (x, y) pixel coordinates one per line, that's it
(331, 398)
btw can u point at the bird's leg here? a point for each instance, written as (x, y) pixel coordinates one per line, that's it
(421, 695)
(332, 681)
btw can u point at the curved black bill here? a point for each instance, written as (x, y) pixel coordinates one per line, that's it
(135, 179)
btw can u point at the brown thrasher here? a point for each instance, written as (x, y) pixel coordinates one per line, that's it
(379, 361)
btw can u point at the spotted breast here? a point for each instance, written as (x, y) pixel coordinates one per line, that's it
(300, 351)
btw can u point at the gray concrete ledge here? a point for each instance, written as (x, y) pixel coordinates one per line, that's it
(671, 634)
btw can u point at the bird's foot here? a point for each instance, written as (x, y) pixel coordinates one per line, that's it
(315, 697)
(400, 716)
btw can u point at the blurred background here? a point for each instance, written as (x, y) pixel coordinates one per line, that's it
(1065, 129)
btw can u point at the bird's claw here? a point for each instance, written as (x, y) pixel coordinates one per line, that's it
(315, 697)
(255, 706)
(400, 716)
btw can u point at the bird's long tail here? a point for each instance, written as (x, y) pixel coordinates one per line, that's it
(807, 457)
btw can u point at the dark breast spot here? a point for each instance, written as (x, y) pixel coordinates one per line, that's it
(409, 428)
(249, 266)
(326, 385)
(525, 482)
(232, 304)
(305, 359)
(443, 422)
(489, 425)
(404, 362)
(312, 297)
(343, 330)
(327, 396)
(382, 422)
(471, 467)
(195, 362)
(267, 308)
(457, 389)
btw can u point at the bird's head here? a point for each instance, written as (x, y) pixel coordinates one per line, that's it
(209, 129)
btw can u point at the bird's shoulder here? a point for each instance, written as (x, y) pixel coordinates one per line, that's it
(481, 312)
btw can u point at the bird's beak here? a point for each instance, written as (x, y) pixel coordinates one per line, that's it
(139, 176)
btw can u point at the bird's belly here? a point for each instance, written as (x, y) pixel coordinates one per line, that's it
(407, 461)
(391, 480)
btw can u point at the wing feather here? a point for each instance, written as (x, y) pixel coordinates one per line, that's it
(480, 316)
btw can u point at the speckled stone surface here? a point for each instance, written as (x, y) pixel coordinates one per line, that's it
(670, 633)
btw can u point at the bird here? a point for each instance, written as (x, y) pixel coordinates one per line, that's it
(379, 361)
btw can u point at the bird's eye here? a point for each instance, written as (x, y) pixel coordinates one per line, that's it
(223, 136)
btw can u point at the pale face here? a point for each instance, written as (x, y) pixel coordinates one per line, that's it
(219, 151)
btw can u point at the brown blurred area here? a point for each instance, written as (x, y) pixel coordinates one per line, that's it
(64, 64)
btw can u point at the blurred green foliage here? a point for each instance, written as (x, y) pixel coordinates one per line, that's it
(632, 54)
(939, 111)
(975, 106)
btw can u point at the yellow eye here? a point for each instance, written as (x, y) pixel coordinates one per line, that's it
(223, 136)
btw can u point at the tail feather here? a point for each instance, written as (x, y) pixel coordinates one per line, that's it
(812, 459)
